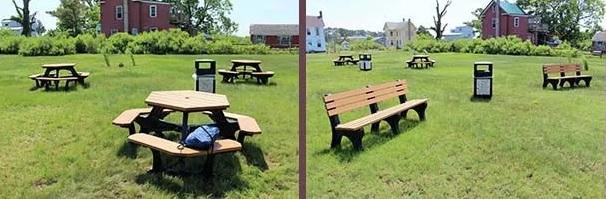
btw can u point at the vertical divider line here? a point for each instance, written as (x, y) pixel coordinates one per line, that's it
(302, 101)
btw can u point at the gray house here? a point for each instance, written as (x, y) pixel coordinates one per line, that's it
(599, 42)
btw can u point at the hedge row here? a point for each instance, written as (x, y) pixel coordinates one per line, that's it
(510, 45)
(159, 42)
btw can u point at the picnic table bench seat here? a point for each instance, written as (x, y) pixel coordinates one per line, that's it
(370, 96)
(127, 118)
(263, 77)
(339, 62)
(159, 145)
(247, 125)
(46, 81)
(228, 76)
(570, 73)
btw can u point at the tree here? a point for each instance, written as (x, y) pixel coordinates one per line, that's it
(437, 20)
(476, 23)
(77, 16)
(208, 17)
(566, 18)
(23, 17)
(423, 31)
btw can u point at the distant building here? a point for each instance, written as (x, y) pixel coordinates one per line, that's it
(599, 41)
(18, 28)
(398, 34)
(513, 21)
(315, 39)
(275, 35)
(460, 32)
(134, 16)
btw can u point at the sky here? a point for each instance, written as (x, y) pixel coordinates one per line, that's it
(363, 14)
(372, 14)
(245, 12)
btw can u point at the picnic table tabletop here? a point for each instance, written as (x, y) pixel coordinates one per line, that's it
(61, 65)
(420, 56)
(244, 61)
(187, 101)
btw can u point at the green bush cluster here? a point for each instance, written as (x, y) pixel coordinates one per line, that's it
(365, 44)
(159, 42)
(509, 45)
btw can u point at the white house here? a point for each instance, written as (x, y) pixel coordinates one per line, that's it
(17, 28)
(315, 38)
(460, 32)
(398, 34)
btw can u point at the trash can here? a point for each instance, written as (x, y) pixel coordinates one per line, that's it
(482, 79)
(365, 61)
(204, 77)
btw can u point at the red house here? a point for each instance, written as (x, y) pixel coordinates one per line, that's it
(134, 16)
(275, 35)
(513, 21)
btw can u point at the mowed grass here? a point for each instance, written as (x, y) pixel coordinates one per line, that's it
(527, 142)
(62, 144)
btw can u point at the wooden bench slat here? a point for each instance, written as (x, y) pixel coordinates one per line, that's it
(172, 148)
(246, 123)
(127, 117)
(56, 78)
(346, 94)
(377, 117)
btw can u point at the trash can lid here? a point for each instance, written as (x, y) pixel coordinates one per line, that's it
(205, 60)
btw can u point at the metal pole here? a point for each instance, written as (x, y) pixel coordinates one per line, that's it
(498, 18)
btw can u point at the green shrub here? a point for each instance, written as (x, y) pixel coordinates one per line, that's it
(88, 43)
(365, 44)
(54, 46)
(9, 44)
(117, 43)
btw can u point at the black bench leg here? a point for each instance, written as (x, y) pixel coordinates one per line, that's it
(264, 80)
(554, 84)
(375, 127)
(393, 122)
(157, 166)
(131, 129)
(241, 138)
(420, 109)
(404, 114)
(208, 165)
(545, 83)
(356, 139)
(587, 81)
(336, 139)
(67, 85)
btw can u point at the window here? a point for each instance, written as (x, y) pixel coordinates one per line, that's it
(308, 32)
(494, 23)
(516, 22)
(319, 45)
(317, 31)
(284, 40)
(173, 10)
(153, 29)
(153, 11)
(258, 39)
(119, 12)
(391, 34)
(134, 31)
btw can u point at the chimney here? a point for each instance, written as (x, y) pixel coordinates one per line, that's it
(320, 17)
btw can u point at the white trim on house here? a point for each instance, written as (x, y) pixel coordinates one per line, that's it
(155, 11)
(119, 10)
(153, 2)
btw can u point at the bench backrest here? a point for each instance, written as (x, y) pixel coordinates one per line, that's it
(349, 100)
(562, 69)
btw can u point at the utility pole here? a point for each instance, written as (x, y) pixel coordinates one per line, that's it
(498, 18)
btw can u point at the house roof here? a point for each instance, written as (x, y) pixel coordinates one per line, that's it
(274, 29)
(599, 36)
(314, 21)
(509, 8)
(397, 25)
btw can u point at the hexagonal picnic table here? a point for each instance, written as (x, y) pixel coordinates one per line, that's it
(185, 102)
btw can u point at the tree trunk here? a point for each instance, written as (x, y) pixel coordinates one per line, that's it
(26, 20)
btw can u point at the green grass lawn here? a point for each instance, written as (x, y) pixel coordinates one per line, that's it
(526, 142)
(62, 144)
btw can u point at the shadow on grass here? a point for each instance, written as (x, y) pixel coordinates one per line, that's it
(254, 156)
(226, 178)
(346, 153)
(251, 82)
(128, 150)
(61, 88)
(480, 99)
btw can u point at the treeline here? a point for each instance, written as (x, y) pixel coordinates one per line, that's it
(509, 45)
(159, 42)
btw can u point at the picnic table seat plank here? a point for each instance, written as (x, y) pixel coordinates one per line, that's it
(247, 125)
(127, 118)
(173, 148)
(262, 77)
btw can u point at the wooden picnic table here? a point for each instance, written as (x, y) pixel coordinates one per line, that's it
(420, 61)
(50, 68)
(256, 64)
(185, 102)
(52, 74)
(345, 59)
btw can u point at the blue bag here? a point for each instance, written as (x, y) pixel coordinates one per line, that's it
(203, 137)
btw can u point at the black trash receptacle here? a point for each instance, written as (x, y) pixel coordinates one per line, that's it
(205, 76)
(365, 61)
(482, 79)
